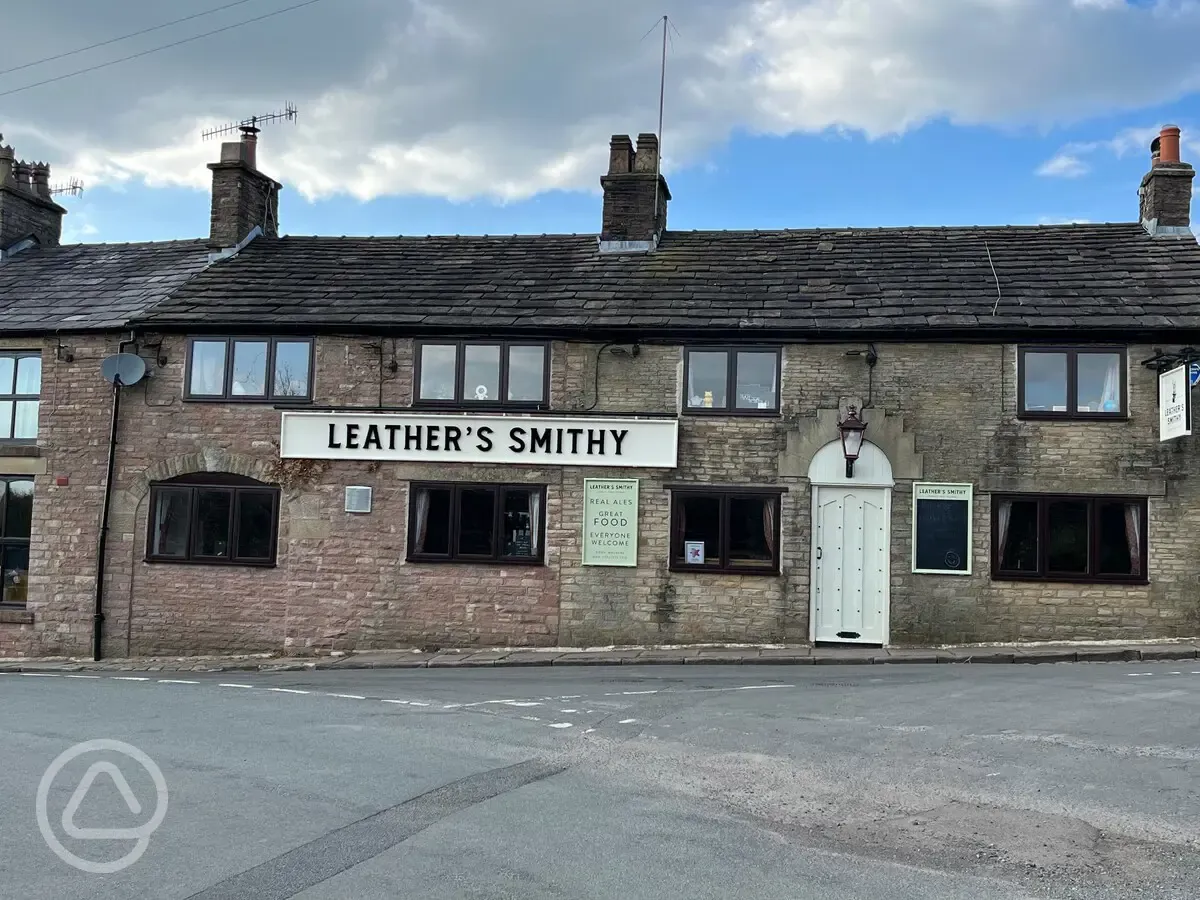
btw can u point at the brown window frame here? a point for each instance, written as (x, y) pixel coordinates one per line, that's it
(724, 495)
(731, 351)
(455, 556)
(460, 362)
(6, 541)
(1094, 501)
(227, 395)
(10, 396)
(1072, 411)
(236, 486)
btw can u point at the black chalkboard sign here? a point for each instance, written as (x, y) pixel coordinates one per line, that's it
(942, 528)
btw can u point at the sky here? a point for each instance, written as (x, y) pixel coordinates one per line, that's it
(494, 116)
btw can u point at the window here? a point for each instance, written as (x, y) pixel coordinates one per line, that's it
(1071, 383)
(1069, 538)
(477, 373)
(725, 531)
(20, 386)
(250, 369)
(223, 519)
(743, 382)
(16, 524)
(476, 523)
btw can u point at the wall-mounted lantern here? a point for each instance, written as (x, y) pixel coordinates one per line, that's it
(852, 429)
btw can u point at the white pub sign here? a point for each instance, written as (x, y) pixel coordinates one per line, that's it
(505, 440)
(1174, 404)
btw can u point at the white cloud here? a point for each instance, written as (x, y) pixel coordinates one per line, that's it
(1064, 165)
(467, 98)
(1059, 220)
(1070, 161)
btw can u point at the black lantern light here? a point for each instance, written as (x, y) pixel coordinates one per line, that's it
(852, 429)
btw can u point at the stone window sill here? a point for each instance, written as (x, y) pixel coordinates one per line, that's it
(20, 450)
(15, 616)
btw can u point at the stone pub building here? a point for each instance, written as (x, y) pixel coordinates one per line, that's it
(875, 436)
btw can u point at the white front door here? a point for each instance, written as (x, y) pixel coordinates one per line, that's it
(850, 564)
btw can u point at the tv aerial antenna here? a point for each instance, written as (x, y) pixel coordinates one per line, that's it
(74, 187)
(251, 125)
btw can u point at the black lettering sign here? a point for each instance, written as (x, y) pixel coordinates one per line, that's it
(574, 433)
(539, 437)
(485, 439)
(351, 437)
(334, 444)
(433, 434)
(619, 437)
(391, 430)
(595, 442)
(517, 435)
(412, 437)
(372, 442)
(453, 435)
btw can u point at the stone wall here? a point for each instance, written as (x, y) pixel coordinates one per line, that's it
(940, 412)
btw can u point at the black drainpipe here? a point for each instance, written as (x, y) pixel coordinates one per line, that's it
(102, 543)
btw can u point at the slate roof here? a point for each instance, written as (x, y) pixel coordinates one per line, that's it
(1110, 277)
(82, 287)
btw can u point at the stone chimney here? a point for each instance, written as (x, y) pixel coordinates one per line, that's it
(635, 195)
(26, 207)
(1166, 191)
(242, 196)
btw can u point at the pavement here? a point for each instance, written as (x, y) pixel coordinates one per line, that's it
(701, 781)
(772, 655)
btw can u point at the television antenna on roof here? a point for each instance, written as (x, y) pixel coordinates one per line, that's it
(74, 187)
(251, 125)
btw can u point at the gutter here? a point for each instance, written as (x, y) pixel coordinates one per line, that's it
(102, 541)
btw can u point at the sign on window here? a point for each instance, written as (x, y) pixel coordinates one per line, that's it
(610, 514)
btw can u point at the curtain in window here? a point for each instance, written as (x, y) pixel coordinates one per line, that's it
(1133, 534)
(1110, 400)
(535, 521)
(769, 523)
(1002, 515)
(422, 518)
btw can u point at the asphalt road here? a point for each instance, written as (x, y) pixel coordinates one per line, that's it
(932, 782)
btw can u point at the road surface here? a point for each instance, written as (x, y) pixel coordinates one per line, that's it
(988, 783)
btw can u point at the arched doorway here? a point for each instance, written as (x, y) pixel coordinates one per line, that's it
(851, 546)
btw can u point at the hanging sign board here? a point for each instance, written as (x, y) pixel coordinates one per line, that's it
(610, 522)
(1174, 404)
(942, 516)
(503, 440)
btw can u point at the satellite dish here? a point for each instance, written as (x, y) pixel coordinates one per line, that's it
(125, 368)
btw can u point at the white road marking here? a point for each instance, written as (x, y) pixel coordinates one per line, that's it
(175, 681)
(41, 674)
(348, 696)
(568, 710)
(129, 678)
(416, 703)
(562, 725)
(627, 721)
(531, 718)
(630, 693)
(83, 676)
(287, 691)
(248, 687)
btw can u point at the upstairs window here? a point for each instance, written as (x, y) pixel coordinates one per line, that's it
(263, 370)
(20, 388)
(213, 518)
(16, 525)
(1069, 538)
(731, 381)
(1071, 383)
(479, 523)
(483, 374)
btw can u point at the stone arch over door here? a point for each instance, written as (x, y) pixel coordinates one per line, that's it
(851, 546)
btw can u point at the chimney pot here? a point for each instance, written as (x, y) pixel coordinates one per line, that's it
(21, 172)
(1168, 146)
(620, 155)
(647, 153)
(26, 206)
(40, 179)
(250, 146)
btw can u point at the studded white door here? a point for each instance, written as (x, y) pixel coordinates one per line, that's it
(850, 564)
